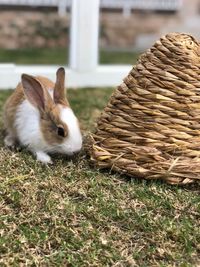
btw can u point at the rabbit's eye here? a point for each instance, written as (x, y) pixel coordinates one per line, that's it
(61, 131)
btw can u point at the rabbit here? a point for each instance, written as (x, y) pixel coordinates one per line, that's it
(38, 116)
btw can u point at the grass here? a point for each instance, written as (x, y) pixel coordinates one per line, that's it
(70, 214)
(60, 56)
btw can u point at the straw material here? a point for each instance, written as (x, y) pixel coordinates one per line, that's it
(151, 126)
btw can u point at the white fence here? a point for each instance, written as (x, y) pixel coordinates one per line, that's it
(128, 5)
(125, 5)
(83, 69)
(60, 4)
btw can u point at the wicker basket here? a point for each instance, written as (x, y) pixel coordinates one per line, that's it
(151, 126)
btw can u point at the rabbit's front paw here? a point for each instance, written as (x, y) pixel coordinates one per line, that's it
(9, 141)
(43, 157)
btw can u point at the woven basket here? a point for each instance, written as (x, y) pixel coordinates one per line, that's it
(151, 126)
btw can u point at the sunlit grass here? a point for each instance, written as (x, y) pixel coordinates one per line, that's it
(70, 214)
(59, 56)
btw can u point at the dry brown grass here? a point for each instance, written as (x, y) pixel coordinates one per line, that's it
(69, 214)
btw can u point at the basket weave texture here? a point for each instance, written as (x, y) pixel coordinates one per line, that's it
(151, 126)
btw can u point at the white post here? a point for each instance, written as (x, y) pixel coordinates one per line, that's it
(84, 35)
(62, 8)
(126, 11)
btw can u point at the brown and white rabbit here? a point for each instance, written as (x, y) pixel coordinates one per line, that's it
(38, 116)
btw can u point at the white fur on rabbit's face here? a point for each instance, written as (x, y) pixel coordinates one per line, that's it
(73, 142)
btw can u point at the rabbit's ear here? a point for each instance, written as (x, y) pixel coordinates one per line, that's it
(59, 90)
(34, 92)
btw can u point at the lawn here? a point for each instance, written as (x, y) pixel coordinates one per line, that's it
(60, 56)
(70, 214)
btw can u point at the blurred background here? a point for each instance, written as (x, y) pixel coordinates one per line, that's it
(37, 31)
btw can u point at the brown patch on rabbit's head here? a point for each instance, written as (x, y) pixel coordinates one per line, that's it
(53, 129)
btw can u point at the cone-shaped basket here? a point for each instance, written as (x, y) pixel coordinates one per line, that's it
(151, 126)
